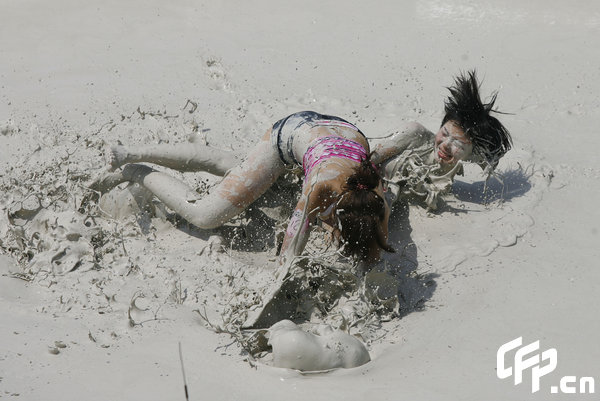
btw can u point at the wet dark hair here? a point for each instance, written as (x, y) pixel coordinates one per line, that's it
(491, 140)
(360, 211)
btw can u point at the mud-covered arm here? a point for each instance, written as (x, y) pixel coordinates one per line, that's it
(298, 229)
(413, 135)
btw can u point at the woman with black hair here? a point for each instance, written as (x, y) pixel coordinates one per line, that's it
(417, 161)
(342, 186)
(468, 131)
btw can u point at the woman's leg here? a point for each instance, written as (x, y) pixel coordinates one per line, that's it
(181, 156)
(242, 186)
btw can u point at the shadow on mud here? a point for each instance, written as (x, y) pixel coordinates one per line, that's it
(508, 185)
(414, 287)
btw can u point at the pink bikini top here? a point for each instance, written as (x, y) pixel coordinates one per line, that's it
(327, 147)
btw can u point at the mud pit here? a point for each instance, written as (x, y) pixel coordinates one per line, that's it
(127, 252)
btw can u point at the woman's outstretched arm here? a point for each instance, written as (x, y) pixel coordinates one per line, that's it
(180, 156)
(298, 229)
(412, 136)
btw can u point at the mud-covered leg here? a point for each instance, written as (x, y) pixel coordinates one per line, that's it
(180, 156)
(242, 186)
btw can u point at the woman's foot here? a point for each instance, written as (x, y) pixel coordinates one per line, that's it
(117, 156)
(106, 181)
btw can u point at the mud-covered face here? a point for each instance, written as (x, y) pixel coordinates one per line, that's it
(451, 144)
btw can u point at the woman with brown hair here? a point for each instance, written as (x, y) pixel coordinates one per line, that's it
(342, 185)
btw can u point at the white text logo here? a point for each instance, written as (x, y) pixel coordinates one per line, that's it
(541, 364)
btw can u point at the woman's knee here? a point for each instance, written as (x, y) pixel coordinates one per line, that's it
(211, 213)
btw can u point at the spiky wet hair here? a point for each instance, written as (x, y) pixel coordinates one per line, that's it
(491, 140)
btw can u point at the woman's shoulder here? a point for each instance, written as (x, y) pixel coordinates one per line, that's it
(416, 128)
